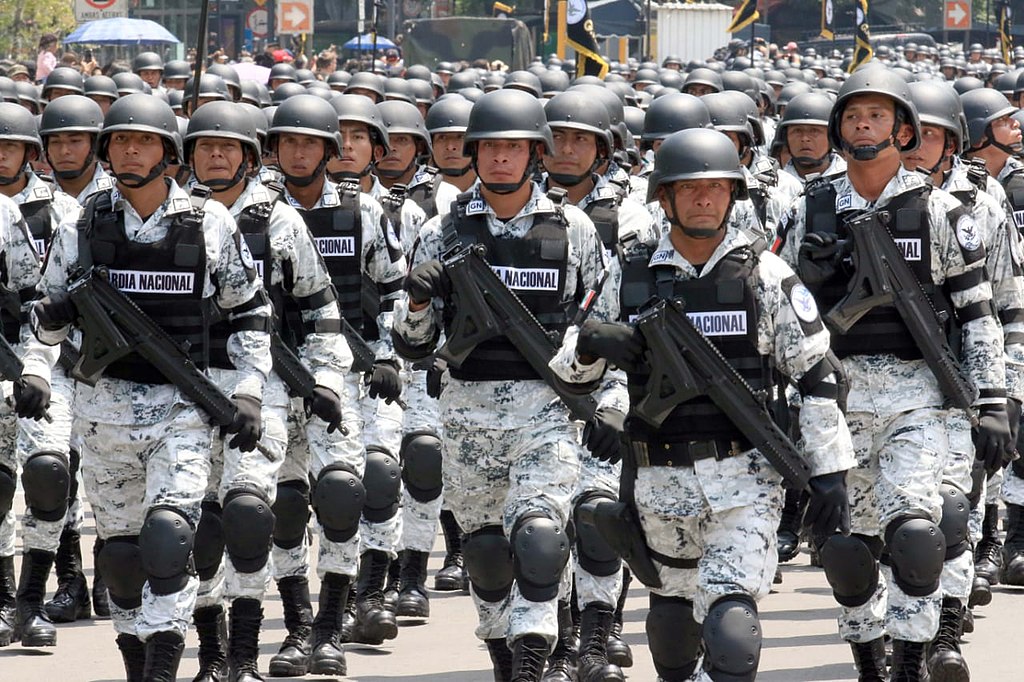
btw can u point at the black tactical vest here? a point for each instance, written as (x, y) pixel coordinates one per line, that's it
(423, 193)
(164, 279)
(604, 213)
(533, 267)
(36, 212)
(882, 330)
(1014, 186)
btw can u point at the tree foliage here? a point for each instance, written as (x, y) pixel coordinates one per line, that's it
(22, 22)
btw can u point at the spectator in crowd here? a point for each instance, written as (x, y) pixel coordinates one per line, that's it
(46, 61)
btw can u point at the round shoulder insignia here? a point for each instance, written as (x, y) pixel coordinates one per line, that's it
(803, 303)
(967, 233)
(246, 255)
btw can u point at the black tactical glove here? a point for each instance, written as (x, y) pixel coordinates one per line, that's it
(55, 311)
(384, 381)
(31, 397)
(829, 507)
(247, 424)
(603, 434)
(426, 281)
(817, 258)
(326, 404)
(435, 378)
(619, 344)
(992, 444)
(1013, 412)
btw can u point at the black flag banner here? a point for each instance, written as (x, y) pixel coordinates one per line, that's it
(1005, 15)
(744, 16)
(828, 20)
(862, 51)
(579, 34)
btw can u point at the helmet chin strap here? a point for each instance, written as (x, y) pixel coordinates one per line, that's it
(135, 181)
(306, 180)
(6, 180)
(870, 151)
(77, 172)
(507, 187)
(696, 232)
(809, 162)
(220, 184)
(566, 180)
(393, 174)
(456, 172)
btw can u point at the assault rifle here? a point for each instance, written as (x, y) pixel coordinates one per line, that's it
(685, 365)
(114, 327)
(485, 308)
(883, 278)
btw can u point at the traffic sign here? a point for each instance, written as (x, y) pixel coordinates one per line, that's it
(91, 10)
(256, 21)
(957, 15)
(295, 16)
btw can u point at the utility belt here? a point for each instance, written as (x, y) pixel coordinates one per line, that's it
(685, 453)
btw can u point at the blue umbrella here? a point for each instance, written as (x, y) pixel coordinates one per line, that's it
(121, 31)
(365, 42)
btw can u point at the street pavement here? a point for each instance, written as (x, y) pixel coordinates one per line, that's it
(800, 640)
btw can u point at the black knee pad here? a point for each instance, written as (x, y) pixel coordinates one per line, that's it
(46, 480)
(732, 639)
(383, 482)
(956, 514)
(7, 487)
(421, 465)
(338, 499)
(120, 563)
(488, 559)
(248, 528)
(851, 567)
(291, 513)
(166, 546)
(208, 547)
(917, 549)
(593, 553)
(540, 550)
(673, 637)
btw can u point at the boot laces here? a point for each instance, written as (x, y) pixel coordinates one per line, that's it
(529, 662)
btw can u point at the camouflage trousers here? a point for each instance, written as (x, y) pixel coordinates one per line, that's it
(1012, 491)
(310, 449)
(720, 517)
(419, 519)
(900, 464)
(590, 588)
(510, 449)
(232, 469)
(21, 438)
(958, 572)
(382, 427)
(130, 469)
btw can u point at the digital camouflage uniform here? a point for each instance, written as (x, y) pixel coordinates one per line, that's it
(836, 164)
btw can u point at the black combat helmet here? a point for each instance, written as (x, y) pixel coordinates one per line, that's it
(142, 114)
(507, 114)
(672, 113)
(981, 109)
(875, 80)
(18, 124)
(72, 114)
(225, 120)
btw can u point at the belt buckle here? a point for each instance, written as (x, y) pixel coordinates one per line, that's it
(702, 449)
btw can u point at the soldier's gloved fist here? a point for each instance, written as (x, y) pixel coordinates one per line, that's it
(385, 382)
(829, 507)
(1013, 412)
(603, 434)
(55, 311)
(618, 343)
(247, 424)
(326, 404)
(31, 397)
(426, 281)
(817, 257)
(992, 444)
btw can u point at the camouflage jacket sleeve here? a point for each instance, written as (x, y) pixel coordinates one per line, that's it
(234, 274)
(385, 265)
(422, 328)
(791, 331)
(42, 347)
(326, 354)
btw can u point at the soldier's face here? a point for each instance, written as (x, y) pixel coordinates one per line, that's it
(698, 89)
(701, 204)
(13, 157)
(448, 151)
(1006, 131)
(928, 153)
(134, 152)
(807, 140)
(54, 93)
(575, 152)
(104, 102)
(299, 155)
(502, 161)
(215, 158)
(401, 154)
(151, 76)
(369, 94)
(68, 151)
(357, 149)
(175, 83)
(869, 120)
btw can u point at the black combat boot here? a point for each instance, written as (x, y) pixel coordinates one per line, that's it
(562, 661)
(528, 655)
(292, 659)
(869, 657)
(244, 641)
(34, 626)
(133, 653)
(595, 624)
(348, 622)
(1012, 572)
(100, 599)
(789, 526)
(328, 656)
(945, 662)
(988, 558)
(617, 649)
(393, 585)
(163, 654)
(908, 662)
(413, 601)
(452, 575)
(374, 623)
(71, 600)
(501, 659)
(211, 628)
(8, 604)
